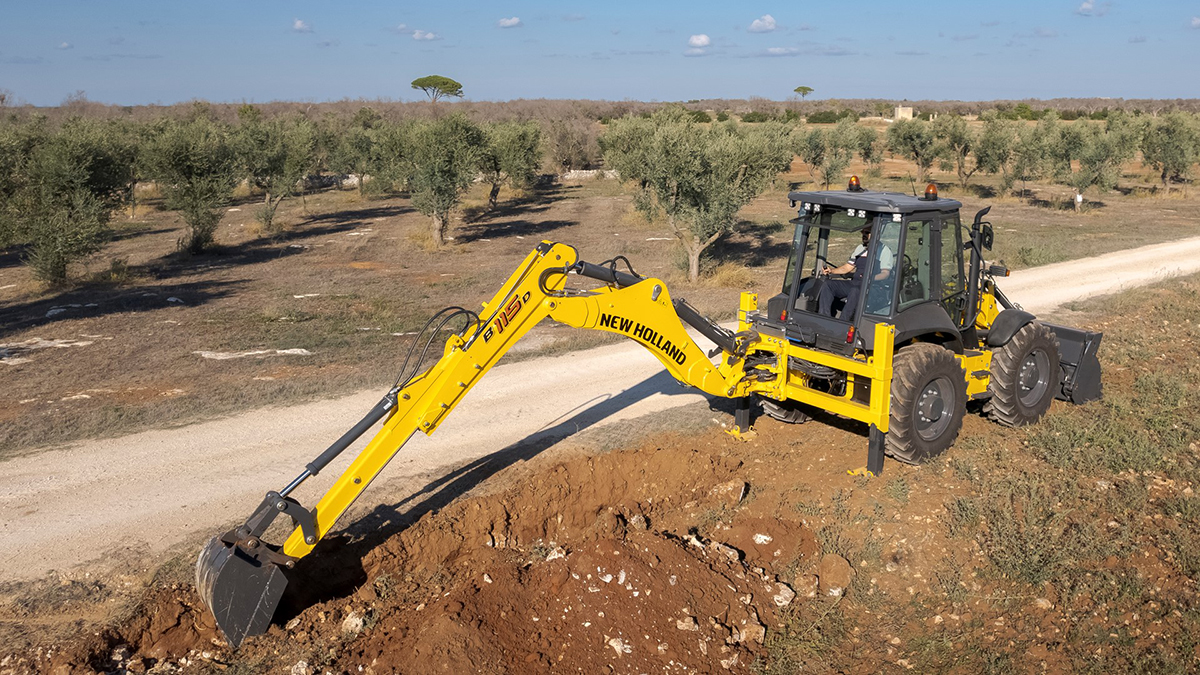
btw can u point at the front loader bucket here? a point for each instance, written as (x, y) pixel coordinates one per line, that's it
(1080, 366)
(241, 591)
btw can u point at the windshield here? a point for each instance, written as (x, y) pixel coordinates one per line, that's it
(835, 235)
(834, 240)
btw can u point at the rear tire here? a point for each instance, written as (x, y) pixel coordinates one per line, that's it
(791, 412)
(929, 400)
(1025, 377)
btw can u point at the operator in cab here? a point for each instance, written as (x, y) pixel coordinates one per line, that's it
(849, 290)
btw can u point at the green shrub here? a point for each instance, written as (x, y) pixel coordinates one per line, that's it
(700, 116)
(58, 190)
(755, 117)
(722, 116)
(196, 166)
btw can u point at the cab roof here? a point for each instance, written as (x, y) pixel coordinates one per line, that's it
(871, 200)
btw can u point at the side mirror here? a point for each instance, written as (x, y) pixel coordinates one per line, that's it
(988, 236)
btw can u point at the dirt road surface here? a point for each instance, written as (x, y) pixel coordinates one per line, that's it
(93, 503)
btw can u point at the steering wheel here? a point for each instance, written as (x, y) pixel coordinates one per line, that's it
(909, 284)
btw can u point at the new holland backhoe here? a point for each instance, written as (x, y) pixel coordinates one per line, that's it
(918, 331)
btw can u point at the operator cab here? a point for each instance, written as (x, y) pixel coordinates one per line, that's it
(913, 276)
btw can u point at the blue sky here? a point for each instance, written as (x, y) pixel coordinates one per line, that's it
(133, 52)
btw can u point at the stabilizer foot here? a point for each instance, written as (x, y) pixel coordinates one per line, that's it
(875, 451)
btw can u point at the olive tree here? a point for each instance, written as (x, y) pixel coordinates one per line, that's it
(994, 150)
(1029, 156)
(697, 177)
(870, 150)
(1171, 145)
(511, 155)
(443, 159)
(351, 148)
(387, 156)
(1100, 158)
(913, 140)
(830, 151)
(274, 155)
(196, 166)
(811, 148)
(60, 189)
(956, 140)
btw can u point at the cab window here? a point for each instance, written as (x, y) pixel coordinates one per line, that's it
(915, 269)
(953, 290)
(883, 277)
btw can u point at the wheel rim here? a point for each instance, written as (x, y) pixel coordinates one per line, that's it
(1033, 378)
(934, 409)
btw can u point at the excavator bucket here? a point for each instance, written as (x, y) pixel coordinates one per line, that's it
(241, 591)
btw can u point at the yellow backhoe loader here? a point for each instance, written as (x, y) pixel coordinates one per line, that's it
(901, 344)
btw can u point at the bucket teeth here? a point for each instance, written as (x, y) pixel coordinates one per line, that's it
(241, 591)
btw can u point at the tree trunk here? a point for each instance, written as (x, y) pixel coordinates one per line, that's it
(494, 196)
(438, 230)
(694, 263)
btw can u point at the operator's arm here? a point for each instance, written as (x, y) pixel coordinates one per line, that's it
(841, 269)
(887, 260)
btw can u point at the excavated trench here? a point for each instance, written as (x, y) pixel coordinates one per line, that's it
(634, 560)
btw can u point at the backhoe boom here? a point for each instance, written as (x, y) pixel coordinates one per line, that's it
(239, 565)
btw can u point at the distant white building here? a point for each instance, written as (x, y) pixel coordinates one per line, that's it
(903, 112)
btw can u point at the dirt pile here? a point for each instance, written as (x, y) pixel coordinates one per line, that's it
(632, 561)
(590, 565)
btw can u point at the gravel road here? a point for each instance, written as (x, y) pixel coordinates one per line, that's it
(90, 503)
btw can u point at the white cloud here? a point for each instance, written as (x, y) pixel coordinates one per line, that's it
(782, 51)
(66, 45)
(695, 51)
(1092, 8)
(423, 35)
(1196, 22)
(699, 41)
(301, 26)
(764, 24)
(512, 22)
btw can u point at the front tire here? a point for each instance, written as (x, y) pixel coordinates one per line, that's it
(929, 400)
(1025, 377)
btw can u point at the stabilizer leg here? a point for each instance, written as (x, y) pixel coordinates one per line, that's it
(742, 430)
(875, 451)
(874, 465)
